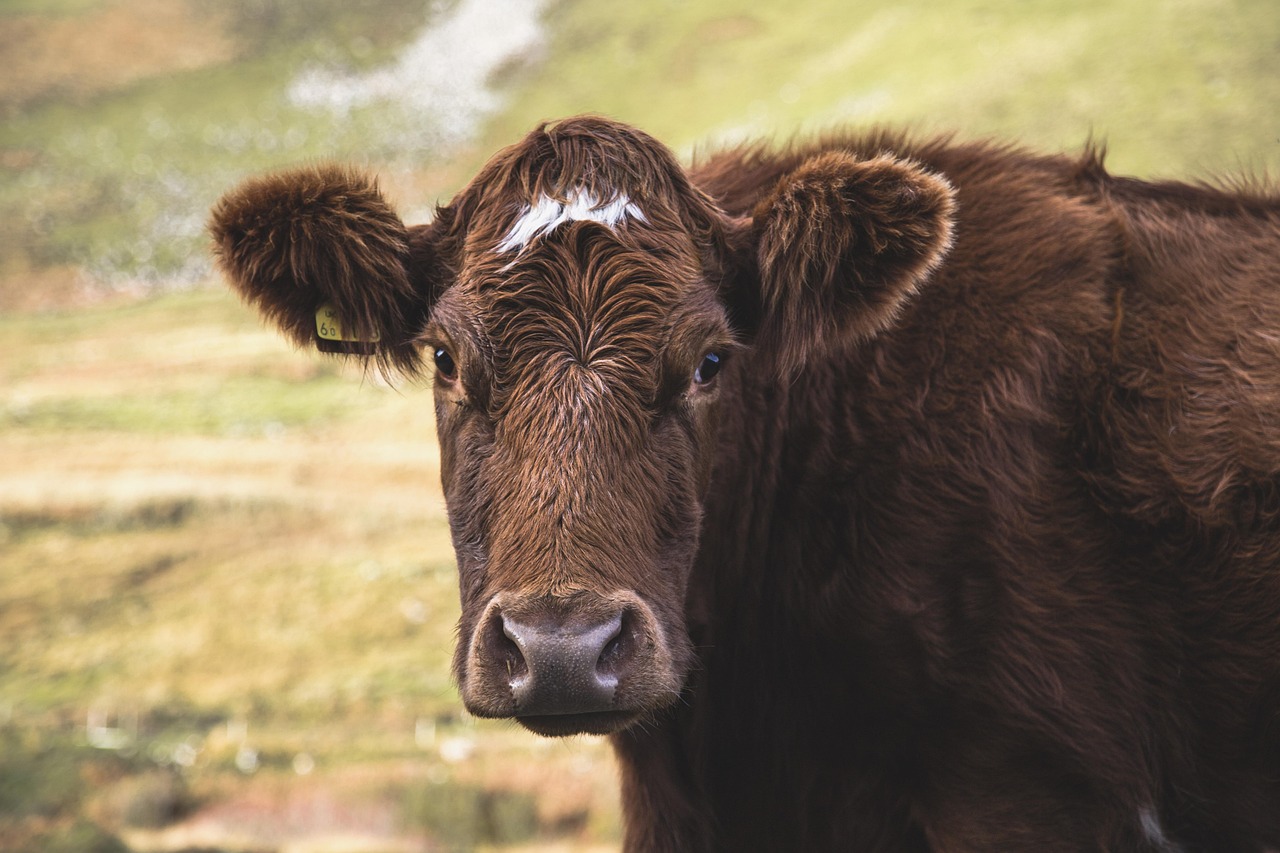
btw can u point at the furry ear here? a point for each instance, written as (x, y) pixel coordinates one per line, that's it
(324, 238)
(842, 244)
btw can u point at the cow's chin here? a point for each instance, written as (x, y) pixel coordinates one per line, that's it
(567, 725)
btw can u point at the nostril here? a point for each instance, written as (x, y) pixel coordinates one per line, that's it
(618, 650)
(612, 651)
(502, 643)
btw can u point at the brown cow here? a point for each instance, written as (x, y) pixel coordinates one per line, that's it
(873, 494)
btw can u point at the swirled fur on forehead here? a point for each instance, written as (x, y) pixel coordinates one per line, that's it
(583, 299)
(579, 243)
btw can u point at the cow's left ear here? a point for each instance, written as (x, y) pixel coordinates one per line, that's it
(841, 244)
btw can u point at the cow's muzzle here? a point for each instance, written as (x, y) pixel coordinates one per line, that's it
(570, 665)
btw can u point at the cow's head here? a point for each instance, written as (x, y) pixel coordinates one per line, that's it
(582, 303)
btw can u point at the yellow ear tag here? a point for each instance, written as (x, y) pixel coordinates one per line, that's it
(331, 338)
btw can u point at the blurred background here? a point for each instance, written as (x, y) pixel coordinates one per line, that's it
(227, 594)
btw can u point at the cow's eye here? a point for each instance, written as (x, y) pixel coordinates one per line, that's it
(446, 368)
(707, 370)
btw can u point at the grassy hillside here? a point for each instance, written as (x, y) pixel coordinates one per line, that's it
(112, 158)
(1182, 88)
(226, 592)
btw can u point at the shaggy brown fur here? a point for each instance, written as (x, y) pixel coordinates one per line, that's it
(972, 544)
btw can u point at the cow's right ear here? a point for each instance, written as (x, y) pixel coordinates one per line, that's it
(323, 256)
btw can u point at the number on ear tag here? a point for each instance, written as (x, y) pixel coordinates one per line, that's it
(330, 336)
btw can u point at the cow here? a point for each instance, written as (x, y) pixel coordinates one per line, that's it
(874, 492)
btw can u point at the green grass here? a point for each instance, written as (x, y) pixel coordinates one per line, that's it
(205, 360)
(210, 406)
(119, 184)
(47, 7)
(1177, 89)
(233, 545)
(202, 459)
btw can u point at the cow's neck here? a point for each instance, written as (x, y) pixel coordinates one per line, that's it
(784, 445)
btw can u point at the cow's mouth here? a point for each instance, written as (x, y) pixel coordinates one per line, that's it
(591, 723)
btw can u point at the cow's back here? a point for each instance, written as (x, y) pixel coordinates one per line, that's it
(1195, 402)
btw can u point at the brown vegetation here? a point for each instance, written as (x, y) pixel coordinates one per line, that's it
(117, 44)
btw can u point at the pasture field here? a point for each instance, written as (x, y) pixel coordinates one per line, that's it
(227, 594)
(231, 559)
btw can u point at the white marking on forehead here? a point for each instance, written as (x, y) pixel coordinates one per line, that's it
(546, 214)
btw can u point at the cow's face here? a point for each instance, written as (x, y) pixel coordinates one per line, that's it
(582, 303)
(575, 381)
